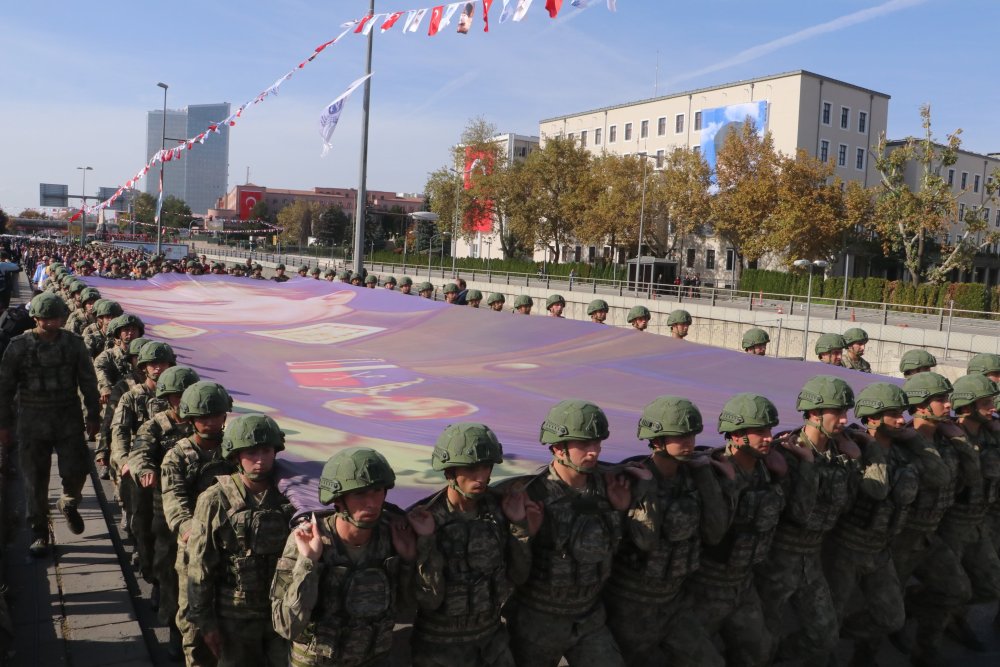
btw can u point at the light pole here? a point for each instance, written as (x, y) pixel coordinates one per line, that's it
(362, 203)
(489, 254)
(805, 263)
(83, 194)
(454, 226)
(430, 250)
(419, 216)
(642, 214)
(163, 145)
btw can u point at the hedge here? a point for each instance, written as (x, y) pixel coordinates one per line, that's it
(967, 296)
(597, 271)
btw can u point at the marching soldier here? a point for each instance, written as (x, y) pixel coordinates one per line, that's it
(473, 298)
(638, 317)
(679, 322)
(597, 311)
(916, 361)
(496, 301)
(830, 348)
(523, 304)
(555, 305)
(853, 356)
(755, 342)
(405, 285)
(279, 274)
(83, 316)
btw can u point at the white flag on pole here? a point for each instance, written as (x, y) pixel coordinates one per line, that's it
(331, 114)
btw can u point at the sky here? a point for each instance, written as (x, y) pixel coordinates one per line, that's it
(78, 78)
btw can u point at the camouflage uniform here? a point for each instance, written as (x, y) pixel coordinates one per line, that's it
(95, 340)
(111, 367)
(187, 471)
(647, 608)
(41, 381)
(236, 539)
(558, 611)
(858, 365)
(463, 576)
(339, 612)
(79, 320)
(152, 441)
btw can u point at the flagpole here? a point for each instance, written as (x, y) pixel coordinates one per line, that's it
(359, 214)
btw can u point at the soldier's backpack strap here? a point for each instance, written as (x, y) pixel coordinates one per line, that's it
(190, 453)
(163, 421)
(233, 502)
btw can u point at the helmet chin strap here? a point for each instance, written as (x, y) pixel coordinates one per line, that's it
(745, 447)
(569, 464)
(819, 427)
(365, 525)
(663, 453)
(452, 484)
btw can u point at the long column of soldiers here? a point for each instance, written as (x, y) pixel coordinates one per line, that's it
(682, 555)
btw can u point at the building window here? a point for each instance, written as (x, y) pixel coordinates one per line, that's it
(644, 129)
(859, 159)
(975, 183)
(824, 151)
(998, 218)
(951, 177)
(659, 159)
(697, 121)
(696, 149)
(730, 259)
(986, 215)
(689, 260)
(597, 137)
(571, 136)
(862, 121)
(679, 123)
(612, 134)
(826, 113)
(965, 179)
(583, 138)
(845, 118)
(709, 259)
(628, 131)
(961, 212)
(842, 155)
(661, 126)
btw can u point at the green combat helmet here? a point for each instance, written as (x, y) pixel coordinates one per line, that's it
(135, 346)
(107, 308)
(984, 363)
(405, 280)
(754, 337)
(450, 288)
(678, 317)
(303, 269)
(175, 380)
(389, 280)
(855, 335)
(669, 415)
(47, 305)
(878, 398)
(494, 297)
(204, 398)
(474, 295)
(279, 267)
(123, 321)
(89, 294)
(922, 387)
(825, 391)
(914, 359)
(553, 300)
(466, 444)
(829, 342)
(250, 431)
(354, 469)
(329, 273)
(343, 277)
(596, 305)
(636, 312)
(573, 421)
(156, 352)
(747, 410)
(523, 300)
(970, 388)
(425, 287)
(372, 279)
(76, 286)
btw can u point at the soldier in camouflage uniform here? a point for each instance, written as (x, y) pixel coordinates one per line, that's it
(830, 348)
(853, 355)
(342, 577)
(597, 311)
(473, 298)
(523, 304)
(405, 285)
(679, 322)
(136, 406)
(40, 376)
(83, 316)
(495, 301)
(916, 361)
(671, 515)
(95, 335)
(238, 531)
(825, 471)
(755, 342)
(279, 274)
(152, 441)
(191, 467)
(725, 600)
(558, 611)
(112, 365)
(857, 558)
(472, 546)
(638, 317)
(918, 550)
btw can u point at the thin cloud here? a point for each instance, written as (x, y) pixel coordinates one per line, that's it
(805, 34)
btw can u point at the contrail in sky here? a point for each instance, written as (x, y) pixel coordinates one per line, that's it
(754, 52)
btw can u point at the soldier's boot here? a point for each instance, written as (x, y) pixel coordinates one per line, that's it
(39, 546)
(72, 514)
(959, 630)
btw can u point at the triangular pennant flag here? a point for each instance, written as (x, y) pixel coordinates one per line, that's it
(435, 24)
(413, 20)
(448, 13)
(371, 24)
(522, 9)
(612, 5)
(331, 114)
(506, 11)
(486, 14)
(391, 21)
(465, 21)
(580, 4)
(361, 24)
(553, 7)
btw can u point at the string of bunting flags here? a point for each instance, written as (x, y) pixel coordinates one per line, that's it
(268, 229)
(440, 18)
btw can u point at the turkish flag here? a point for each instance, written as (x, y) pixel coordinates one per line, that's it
(249, 199)
(391, 21)
(362, 22)
(553, 6)
(486, 14)
(435, 20)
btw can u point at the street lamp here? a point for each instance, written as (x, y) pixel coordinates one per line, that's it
(420, 216)
(642, 213)
(83, 192)
(163, 145)
(489, 254)
(430, 250)
(802, 264)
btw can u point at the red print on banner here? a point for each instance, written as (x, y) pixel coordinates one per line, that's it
(479, 214)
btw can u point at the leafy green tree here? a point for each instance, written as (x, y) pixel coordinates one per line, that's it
(144, 208)
(262, 211)
(175, 212)
(297, 220)
(4, 219)
(681, 203)
(31, 214)
(332, 226)
(614, 193)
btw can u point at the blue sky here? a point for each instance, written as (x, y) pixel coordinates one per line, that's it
(78, 78)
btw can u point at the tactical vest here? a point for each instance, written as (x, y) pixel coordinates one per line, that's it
(201, 474)
(748, 540)
(475, 573)
(572, 553)
(989, 461)
(47, 372)
(870, 524)
(931, 504)
(251, 550)
(657, 576)
(833, 495)
(969, 508)
(170, 435)
(354, 616)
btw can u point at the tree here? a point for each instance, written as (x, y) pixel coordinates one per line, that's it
(31, 214)
(297, 220)
(614, 191)
(747, 173)
(909, 218)
(262, 211)
(333, 226)
(175, 212)
(144, 208)
(4, 219)
(681, 201)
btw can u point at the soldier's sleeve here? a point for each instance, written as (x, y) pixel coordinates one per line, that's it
(147, 440)
(874, 482)
(177, 506)
(969, 471)
(8, 383)
(203, 562)
(104, 367)
(715, 513)
(294, 591)
(801, 486)
(518, 552)
(121, 430)
(86, 378)
(934, 472)
(645, 515)
(429, 576)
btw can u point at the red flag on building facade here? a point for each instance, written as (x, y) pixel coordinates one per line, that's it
(479, 214)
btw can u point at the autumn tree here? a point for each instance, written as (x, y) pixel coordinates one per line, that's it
(297, 221)
(681, 202)
(31, 214)
(614, 194)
